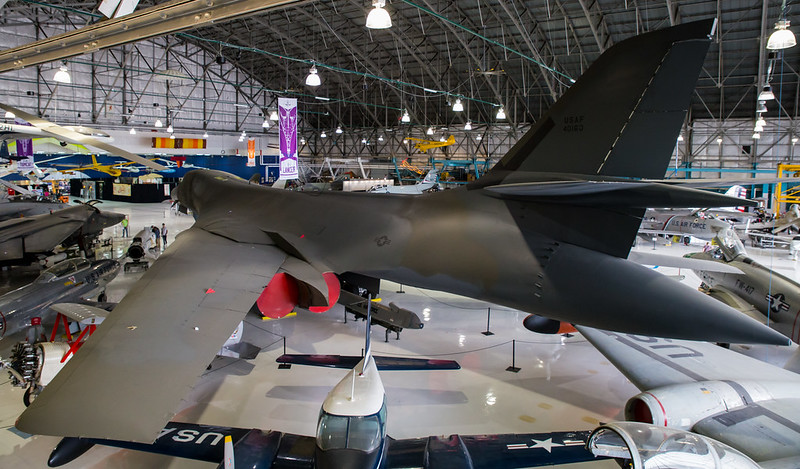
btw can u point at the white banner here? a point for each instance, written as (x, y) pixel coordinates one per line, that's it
(287, 118)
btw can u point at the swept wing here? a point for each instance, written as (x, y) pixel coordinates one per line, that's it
(161, 337)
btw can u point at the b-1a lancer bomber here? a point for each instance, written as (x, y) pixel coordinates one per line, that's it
(546, 231)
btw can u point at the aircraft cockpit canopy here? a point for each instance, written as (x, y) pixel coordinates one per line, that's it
(361, 433)
(62, 269)
(649, 446)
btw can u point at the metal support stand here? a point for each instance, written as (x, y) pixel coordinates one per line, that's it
(401, 289)
(487, 332)
(513, 368)
(284, 366)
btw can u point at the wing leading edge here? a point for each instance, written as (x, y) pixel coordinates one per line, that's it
(160, 337)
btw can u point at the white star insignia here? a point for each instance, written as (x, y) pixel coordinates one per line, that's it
(546, 444)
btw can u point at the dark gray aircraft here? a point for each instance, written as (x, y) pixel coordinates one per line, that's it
(67, 281)
(30, 238)
(27, 206)
(547, 230)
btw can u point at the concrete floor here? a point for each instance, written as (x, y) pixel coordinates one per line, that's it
(563, 384)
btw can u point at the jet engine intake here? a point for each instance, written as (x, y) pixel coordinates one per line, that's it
(682, 406)
(543, 325)
(285, 292)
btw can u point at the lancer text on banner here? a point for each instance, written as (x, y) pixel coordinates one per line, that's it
(287, 112)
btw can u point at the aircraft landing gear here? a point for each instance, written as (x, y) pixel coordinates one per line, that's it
(102, 297)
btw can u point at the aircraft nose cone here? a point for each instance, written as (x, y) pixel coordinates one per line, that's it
(111, 218)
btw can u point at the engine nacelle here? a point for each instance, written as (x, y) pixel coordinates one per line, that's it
(543, 325)
(684, 405)
(285, 292)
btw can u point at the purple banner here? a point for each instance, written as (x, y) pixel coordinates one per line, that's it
(287, 114)
(25, 147)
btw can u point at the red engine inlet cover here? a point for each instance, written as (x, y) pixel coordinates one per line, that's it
(279, 298)
(334, 289)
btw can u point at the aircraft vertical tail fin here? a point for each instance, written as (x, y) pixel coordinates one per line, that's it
(431, 176)
(622, 116)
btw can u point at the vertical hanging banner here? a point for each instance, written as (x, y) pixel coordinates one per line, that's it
(287, 113)
(25, 154)
(251, 152)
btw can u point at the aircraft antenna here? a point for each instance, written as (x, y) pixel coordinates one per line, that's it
(367, 343)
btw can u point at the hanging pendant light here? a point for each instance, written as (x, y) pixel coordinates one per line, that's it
(313, 79)
(782, 37)
(430, 131)
(170, 129)
(468, 125)
(378, 18)
(158, 123)
(273, 116)
(172, 137)
(406, 118)
(339, 129)
(265, 124)
(756, 136)
(62, 75)
(501, 114)
(132, 131)
(762, 107)
(458, 107)
(323, 134)
(766, 94)
(205, 134)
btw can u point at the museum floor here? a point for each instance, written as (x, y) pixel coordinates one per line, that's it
(563, 384)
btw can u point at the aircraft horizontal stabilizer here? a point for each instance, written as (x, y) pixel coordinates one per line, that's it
(616, 194)
(648, 258)
(383, 363)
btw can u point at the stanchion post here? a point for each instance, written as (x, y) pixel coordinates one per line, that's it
(487, 332)
(284, 366)
(513, 368)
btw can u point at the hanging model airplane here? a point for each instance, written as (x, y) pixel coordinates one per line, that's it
(45, 128)
(423, 145)
(547, 230)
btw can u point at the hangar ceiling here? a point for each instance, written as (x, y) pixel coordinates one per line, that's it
(519, 55)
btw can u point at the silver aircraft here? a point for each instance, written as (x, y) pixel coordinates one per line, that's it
(68, 281)
(525, 236)
(755, 290)
(717, 394)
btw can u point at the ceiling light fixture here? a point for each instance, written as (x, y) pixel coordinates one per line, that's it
(794, 140)
(380, 138)
(782, 37)
(10, 115)
(430, 131)
(158, 123)
(680, 137)
(458, 107)
(265, 124)
(132, 131)
(756, 136)
(501, 114)
(762, 107)
(758, 128)
(339, 129)
(468, 125)
(760, 121)
(302, 140)
(170, 129)
(766, 94)
(378, 18)
(172, 137)
(406, 118)
(313, 79)
(62, 75)
(364, 141)
(479, 137)
(205, 134)
(719, 140)
(323, 134)
(273, 116)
